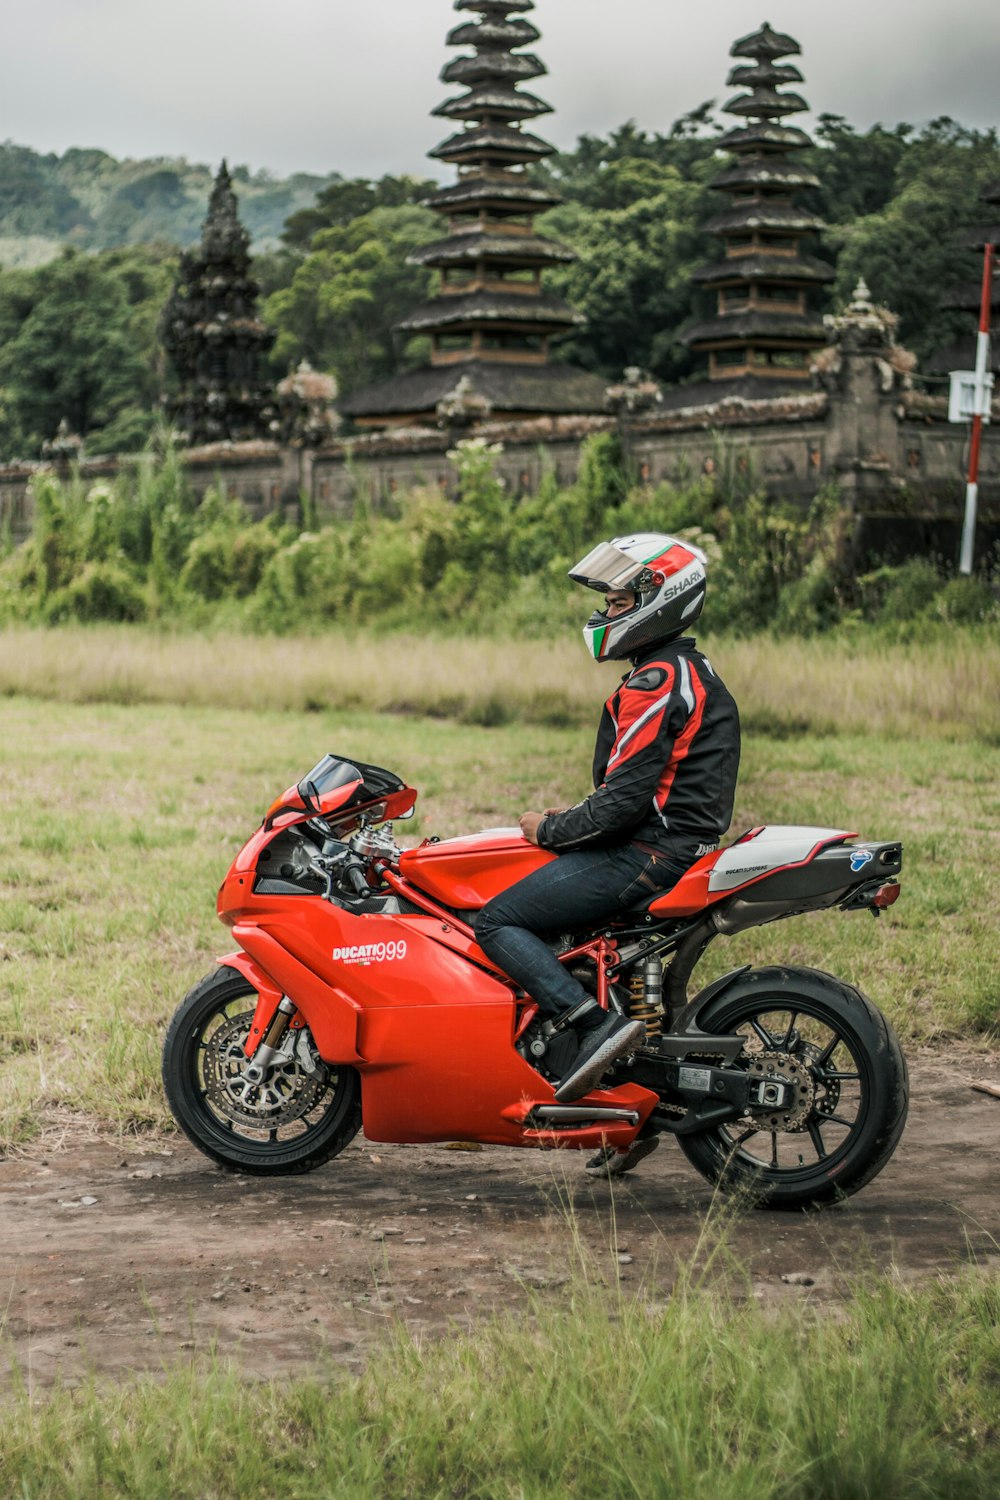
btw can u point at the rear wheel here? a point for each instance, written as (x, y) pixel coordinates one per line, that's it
(303, 1111)
(833, 1062)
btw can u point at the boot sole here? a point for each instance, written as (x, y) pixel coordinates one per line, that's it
(616, 1165)
(580, 1082)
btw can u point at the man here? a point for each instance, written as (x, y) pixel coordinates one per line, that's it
(665, 766)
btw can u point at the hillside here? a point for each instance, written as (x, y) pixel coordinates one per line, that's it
(89, 199)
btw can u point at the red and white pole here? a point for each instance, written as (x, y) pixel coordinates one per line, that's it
(983, 388)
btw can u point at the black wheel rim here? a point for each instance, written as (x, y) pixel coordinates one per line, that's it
(826, 1062)
(292, 1107)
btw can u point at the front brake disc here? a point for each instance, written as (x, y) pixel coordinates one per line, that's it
(286, 1092)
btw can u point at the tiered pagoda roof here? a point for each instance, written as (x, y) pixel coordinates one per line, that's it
(966, 295)
(213, 335)
(763, 327)
(490, 322)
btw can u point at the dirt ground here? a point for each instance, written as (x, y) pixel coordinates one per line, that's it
(119, 1257)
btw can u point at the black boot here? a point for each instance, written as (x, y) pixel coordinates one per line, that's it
(606, 1037)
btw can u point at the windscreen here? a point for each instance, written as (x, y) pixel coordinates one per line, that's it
(326, 776)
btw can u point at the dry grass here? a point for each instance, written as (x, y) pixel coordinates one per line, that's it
(946, 688)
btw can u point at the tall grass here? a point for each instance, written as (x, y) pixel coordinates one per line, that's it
(600, 1397)
(947, 687)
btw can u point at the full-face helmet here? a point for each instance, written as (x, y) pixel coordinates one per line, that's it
(667, 577)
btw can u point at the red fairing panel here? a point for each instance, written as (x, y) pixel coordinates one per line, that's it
(465, 873)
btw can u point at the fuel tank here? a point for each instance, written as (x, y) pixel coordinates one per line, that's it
(465, 873)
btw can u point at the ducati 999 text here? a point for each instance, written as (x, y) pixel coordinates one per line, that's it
(357, 997)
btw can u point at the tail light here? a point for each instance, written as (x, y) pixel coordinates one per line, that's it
(886, 895)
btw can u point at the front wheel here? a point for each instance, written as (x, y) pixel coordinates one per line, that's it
(303, 1111)
(833, 1061)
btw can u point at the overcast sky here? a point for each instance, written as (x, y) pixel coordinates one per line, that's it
(347, 85)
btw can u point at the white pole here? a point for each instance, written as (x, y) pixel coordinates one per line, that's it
(982, 396)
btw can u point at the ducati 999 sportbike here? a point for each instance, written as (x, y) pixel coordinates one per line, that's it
(358, 998)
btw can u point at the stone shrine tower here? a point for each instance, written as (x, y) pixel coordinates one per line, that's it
(491, 320)
(763, 327)
(213, 336)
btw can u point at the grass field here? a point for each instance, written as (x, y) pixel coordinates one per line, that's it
(131, 769)
(117, 823)
(944, 688)
(704, 1397)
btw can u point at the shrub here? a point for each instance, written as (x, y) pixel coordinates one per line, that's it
(101, 591)
(966, 601)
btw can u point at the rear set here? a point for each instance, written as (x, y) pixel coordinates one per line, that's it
(358, 996)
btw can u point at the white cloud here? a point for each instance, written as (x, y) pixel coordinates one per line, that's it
(322, 85)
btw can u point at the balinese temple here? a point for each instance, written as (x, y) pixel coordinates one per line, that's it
(763, 331)
(966, 295)
(491, 322)
(213, 335)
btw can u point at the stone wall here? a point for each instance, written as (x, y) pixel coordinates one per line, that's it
(897, 462)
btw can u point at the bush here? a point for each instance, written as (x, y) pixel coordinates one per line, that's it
(101, 591)
(144, 546)
(966, 601)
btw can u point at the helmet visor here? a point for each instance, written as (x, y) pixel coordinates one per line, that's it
(606, 568)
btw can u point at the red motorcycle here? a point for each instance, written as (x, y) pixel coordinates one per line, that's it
(359, 997)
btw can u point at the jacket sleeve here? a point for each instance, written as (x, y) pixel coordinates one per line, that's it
(651, 714)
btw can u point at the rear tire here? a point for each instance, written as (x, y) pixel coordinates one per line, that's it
(851, 1088)
(293, 1122)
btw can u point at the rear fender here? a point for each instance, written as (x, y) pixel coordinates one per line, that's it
(686, 1029)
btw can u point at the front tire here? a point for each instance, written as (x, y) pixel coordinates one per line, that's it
(841, 1064)
(303, 1113)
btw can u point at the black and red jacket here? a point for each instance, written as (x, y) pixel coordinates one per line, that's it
(665, 762)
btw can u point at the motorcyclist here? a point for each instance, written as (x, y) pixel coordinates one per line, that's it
(665, 767)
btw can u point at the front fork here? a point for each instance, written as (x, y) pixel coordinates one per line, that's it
(273, 1014)
(263, 1053)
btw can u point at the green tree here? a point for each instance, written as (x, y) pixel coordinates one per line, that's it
(78, 341)
(345, 296)
(907, 251)
(633, 276)
(343, 201)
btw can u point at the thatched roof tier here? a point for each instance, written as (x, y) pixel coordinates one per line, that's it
(515, 33)
(495, 102)
(774, 269)
(776, 218)
(499, 320)
(492, 143)
(508, 67)
(976, 239)
(765, 43)
(765, 136)
(514, 249)
(762, 217)
(765, 104)
(960, 354)
(531, 389)
(766, 173)
(489, 192)
(512, 309)
(766, 74)
(764, 328)
(967, 296)
(495, 9)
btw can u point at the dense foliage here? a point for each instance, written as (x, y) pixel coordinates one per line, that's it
(78, 342)
(96, 202)
(894, 199)
(144, 548)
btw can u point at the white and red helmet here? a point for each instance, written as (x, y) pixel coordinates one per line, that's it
(667, 577)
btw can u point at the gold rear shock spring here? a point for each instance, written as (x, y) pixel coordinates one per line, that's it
(644, 989)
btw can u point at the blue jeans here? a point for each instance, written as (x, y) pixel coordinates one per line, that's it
(575, 891)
